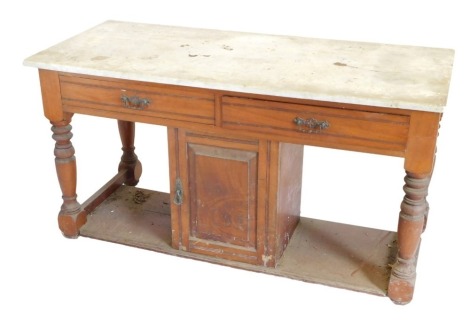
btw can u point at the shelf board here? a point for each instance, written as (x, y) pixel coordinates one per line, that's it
(333, 254)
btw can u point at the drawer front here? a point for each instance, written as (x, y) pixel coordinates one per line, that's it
(104, 97)
(315, 125)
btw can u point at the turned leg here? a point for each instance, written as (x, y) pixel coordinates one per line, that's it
(71, 216)
(129, 160)
(414, 209)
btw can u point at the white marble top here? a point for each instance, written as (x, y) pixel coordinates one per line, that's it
(373, 74)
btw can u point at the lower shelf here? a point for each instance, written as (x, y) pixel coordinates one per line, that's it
(334, 254)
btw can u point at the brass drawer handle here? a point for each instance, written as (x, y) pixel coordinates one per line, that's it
(135, 102)
(310, 125)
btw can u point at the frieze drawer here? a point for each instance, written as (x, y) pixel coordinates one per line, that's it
(360, 130)
(103, 97)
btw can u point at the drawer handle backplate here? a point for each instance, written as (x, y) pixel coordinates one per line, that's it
(310, 125)
(135, 102)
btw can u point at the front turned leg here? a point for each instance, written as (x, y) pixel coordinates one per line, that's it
(414, 208)
(129, 160)
(71, 215)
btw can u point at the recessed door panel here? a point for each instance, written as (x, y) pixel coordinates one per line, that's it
(222, 186)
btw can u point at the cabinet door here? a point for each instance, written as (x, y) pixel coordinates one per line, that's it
(222, 194)
(220, 197)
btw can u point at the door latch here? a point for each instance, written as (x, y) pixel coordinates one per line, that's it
(178, 199)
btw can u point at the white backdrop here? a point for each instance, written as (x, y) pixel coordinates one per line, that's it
(45, 276)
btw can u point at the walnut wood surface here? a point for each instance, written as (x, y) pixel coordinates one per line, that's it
(219, 214)
(378, 130)
(241, 198)
(239, 160)
(359, 128)
(129, 160)
(71, 215)
(93, 94)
